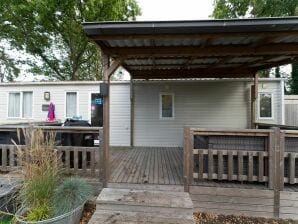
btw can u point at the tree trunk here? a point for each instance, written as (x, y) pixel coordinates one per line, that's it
(294, 80)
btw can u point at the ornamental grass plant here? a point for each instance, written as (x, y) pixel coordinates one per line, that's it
(41, 172)
(44, 193)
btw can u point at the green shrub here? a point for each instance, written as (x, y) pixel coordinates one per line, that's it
(70, 194)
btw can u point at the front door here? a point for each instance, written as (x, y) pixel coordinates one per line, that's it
(96, 110)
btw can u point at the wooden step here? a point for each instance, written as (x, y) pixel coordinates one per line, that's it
(116, 205)
(108, 216)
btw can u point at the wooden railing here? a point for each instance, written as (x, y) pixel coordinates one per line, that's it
(221, 165)
(249, 155)
(290, 156)
(82, 161)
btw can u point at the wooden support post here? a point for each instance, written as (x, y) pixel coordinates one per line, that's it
(188, 159)
(132, 112)
(254, 101)
(108, 70)
(277, 152)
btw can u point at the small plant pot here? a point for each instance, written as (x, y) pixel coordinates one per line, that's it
(72, 217)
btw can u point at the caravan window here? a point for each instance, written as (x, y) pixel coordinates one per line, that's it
(71, 104)
(265, 105)
(167, 105)
(20, 105)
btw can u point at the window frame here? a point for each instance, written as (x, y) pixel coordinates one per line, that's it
(160, 106)
(21, 105)
(77, 108)
(259, 106)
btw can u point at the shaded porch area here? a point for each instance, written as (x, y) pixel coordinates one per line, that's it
(147, 165)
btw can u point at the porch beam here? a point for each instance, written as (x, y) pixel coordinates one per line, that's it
(191, 73)
(195, 36)
(272, 49)
(113, 67)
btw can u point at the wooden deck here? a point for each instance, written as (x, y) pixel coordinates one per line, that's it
(147, 165)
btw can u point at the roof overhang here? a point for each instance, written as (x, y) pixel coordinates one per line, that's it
(198, 49)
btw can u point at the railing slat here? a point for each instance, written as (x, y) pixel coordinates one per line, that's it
(230, 165)
(220, 165)
(75, 160)
(261, 167)
(84, 161)
(11, 155)
(201, 164)
(210, 164)
(92, 163)
(4, 157)
(292, 168)
(240, 165)
(250, 167)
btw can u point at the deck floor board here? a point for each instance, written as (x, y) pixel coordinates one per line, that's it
(147, 165)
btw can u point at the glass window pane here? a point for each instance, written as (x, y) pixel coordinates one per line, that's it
(167, 105)
(27, 104)
(14, 105)
(71, 104)
(265, 105)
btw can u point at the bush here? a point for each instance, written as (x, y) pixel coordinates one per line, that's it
(72, 193)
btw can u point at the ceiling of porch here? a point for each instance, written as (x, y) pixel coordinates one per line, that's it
(198, 49)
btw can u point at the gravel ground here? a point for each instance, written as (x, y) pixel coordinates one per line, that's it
(208, 218)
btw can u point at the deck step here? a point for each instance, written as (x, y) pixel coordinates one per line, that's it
(116, 205)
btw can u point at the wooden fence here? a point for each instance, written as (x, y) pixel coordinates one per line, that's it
(82, 161)
(268, 156)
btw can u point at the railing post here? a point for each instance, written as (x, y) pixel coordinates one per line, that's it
(276, 180)
(188, 158)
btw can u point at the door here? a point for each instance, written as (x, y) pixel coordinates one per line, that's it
(96, 110)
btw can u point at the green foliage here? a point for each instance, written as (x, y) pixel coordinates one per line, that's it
(294, 80)
(8, 67)
(39, 213)
(72, 193)
(259, 8)
(255, 8)
(7, 220)
(51, 31)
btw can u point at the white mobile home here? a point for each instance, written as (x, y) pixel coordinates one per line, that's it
(161, 109)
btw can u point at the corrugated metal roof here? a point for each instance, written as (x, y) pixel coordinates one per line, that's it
(237, 46)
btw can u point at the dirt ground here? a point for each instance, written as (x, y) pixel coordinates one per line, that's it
(208, 218)
(88, 212)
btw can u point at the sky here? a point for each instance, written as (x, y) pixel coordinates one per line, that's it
(175, 9)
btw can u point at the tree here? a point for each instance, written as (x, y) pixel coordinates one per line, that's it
(51, 31)
(260, 8)
(8, 67)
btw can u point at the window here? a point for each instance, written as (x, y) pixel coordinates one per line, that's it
(265, 105)
(71, 104)
(166, 105)
(20, 105)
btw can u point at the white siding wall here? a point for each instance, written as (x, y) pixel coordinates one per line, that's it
(120, 115)
(210, 104)
(205, 104)
(120, 105)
